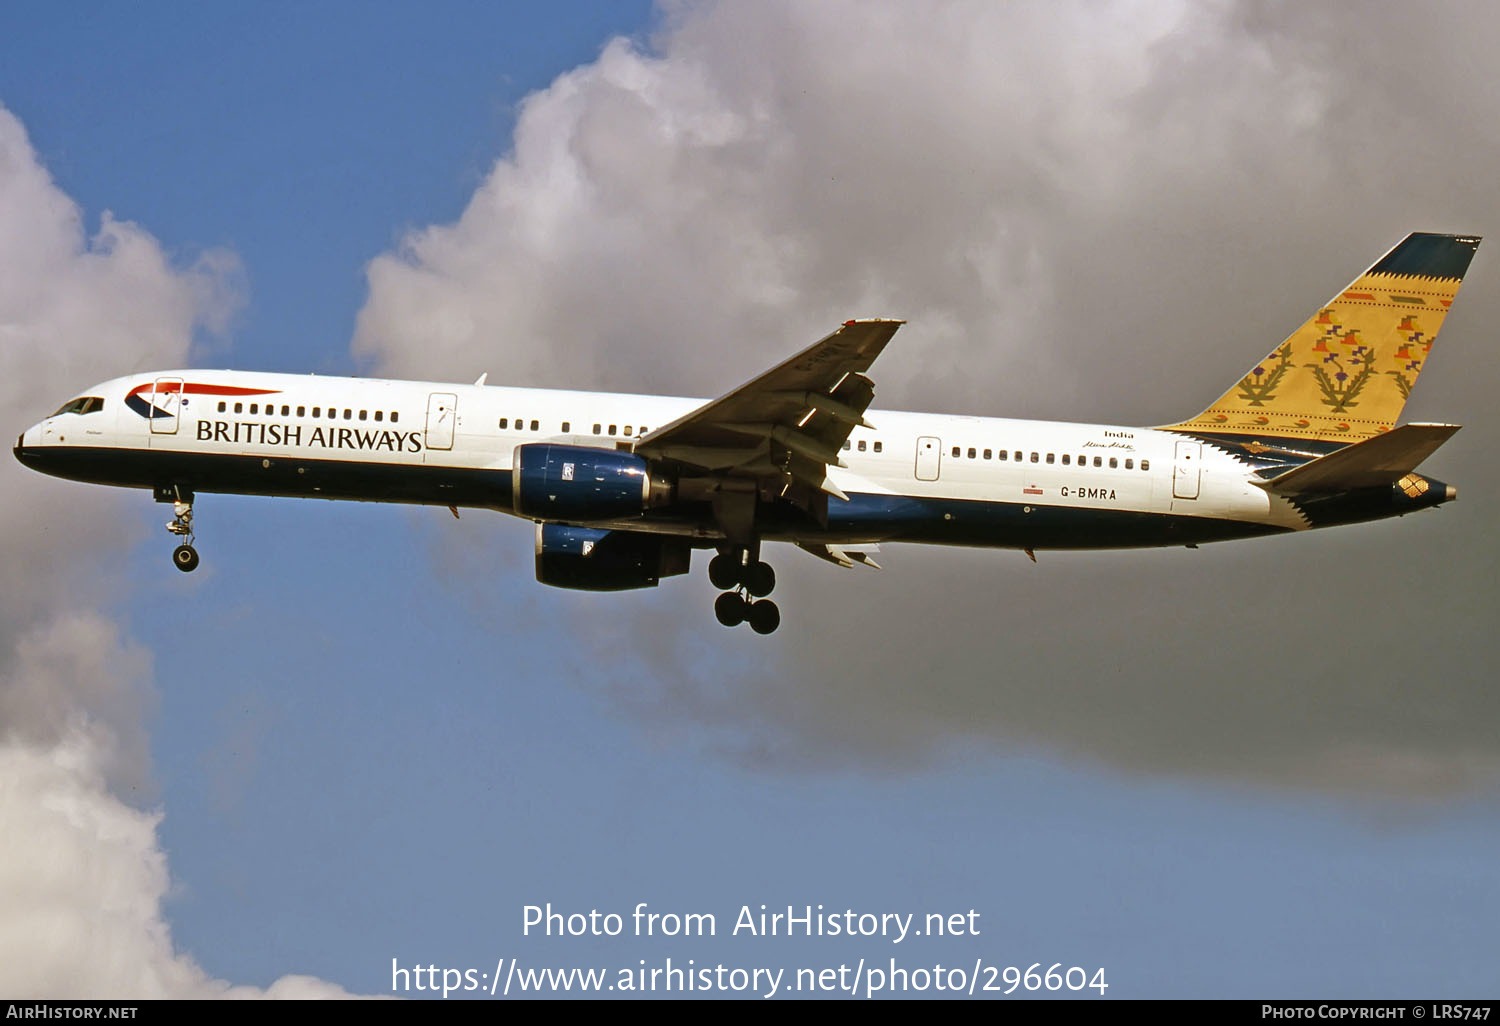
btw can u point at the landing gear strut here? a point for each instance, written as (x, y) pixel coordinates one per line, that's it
(184, 556)
(747, 578)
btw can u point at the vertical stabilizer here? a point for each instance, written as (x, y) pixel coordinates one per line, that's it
(1347, 372)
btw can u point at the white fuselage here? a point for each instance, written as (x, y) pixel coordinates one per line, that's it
(294, 423)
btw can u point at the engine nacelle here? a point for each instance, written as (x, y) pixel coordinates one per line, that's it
(575, 482)
(590, 559)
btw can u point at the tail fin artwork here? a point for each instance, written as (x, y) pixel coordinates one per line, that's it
(1346, 373)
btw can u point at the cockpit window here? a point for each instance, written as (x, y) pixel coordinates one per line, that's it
(83, 404)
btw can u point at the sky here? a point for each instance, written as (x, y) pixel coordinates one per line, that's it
(364, 733)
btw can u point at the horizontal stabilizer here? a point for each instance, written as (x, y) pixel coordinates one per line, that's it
(1376, 461)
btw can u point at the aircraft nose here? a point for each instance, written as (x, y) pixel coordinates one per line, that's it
(26, 443)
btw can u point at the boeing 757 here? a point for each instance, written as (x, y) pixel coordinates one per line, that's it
(623, 488)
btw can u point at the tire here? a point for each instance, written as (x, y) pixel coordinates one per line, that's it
(760, 579)
(185, 558)
(724, 571)
(731, 609)
(764, 617)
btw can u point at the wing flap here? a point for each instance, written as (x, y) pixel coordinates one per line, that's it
(1381, 460)
(846, 556)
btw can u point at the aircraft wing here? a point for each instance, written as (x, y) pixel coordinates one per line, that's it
(791, 421)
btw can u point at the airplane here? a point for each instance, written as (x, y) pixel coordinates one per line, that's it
(622, 488)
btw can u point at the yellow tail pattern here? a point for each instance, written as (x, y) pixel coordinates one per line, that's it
(1347, 372)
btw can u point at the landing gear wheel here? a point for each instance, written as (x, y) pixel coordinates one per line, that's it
(759, 579)
(724, 571)
(731, 609)
(764, 616)
(185, 558)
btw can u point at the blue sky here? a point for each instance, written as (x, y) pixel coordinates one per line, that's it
(375, 736)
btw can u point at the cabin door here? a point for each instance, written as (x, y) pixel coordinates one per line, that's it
(929, 458)
(442, 411)
(1186, 471)
(166, 404)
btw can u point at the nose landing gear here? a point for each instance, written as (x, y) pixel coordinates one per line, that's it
(748, 579)
(184, 556)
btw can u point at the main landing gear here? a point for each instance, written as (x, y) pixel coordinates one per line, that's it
(748, 579)
(184, 556)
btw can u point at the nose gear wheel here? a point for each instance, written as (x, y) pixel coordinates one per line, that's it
(184, 556)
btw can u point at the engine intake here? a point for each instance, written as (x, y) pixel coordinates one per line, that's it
(590, 559)
(576, 482)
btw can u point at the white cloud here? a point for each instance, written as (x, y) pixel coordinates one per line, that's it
(83, 884)
(1101, 210)
(84, 876)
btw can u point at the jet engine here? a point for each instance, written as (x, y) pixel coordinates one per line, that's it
(575, 482)
(590, 559)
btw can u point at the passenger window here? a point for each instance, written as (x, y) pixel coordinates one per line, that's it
(239, 407)
(504, 423)
(612, 429)
(379, 415)
(1065, 459)
(1130, 464)
(877, 446)
(956, 451)
(1003, 454)
(567, 426)
(1018, 455)
(222, 407)
(1098, 462)
(535, 426)
(986, 454)
(317, 411)
(348, 414)
(848, 445)
(395, 416)
(1034, 457)
(1113, 463)
(1145, 464)
(363, 414)
(286, 411)
(627, 430)
(302, 411)
(972, 454)
(1049, 457)
(861, 445)
(598, 428)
